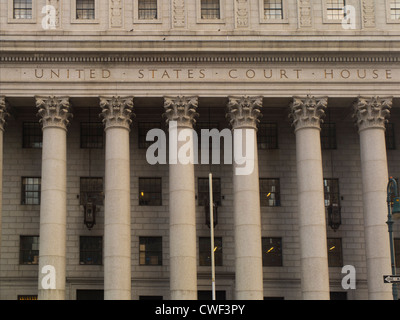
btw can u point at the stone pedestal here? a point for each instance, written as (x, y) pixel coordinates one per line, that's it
(306, 114)
(180, 113)
(54, 113)
(116, 113)
(243, 113)
(371, 114)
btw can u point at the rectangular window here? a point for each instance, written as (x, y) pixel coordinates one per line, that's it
(205, 251)
(272, 252)
(335, 255)
(30, 190)
(147, 9)
(328, 136)
(267, 136)
(22, 9)
(29, 250)
(394, 10)
(210, 9)
(389, 135)
(273, 9)
(150, 251)
(91, 188)
(335, 9)
(397, 251)
(270, 193)
(91, 250)
(143, 128)
(150, 192)
(32, 135)
(331, 191)
(85, 9)
(92, 135)
(203, 192)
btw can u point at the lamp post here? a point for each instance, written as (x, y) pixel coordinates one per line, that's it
(393, 214)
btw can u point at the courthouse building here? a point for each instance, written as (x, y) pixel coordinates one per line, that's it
(86, 215)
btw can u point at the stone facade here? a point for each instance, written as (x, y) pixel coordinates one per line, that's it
(240, 71)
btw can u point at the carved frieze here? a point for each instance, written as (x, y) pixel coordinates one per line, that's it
(117, 111)
(372, 112)
(54, 111)
(308, 112)
(182, 110)
(244, 111)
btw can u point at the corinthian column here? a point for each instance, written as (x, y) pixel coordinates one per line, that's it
(306, 113)
(54, 113)
(117, 113)
(180, 113)
(243, 114)
(371, 115)
(3, 116)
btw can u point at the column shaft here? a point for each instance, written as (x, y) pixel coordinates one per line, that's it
(116, 112)
(53, 203)
(371, 116)
(306, 114)
(182, 206)
(244, 113)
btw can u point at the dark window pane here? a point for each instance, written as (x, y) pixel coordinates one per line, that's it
(22, 9)
(150, 192)
(270, 194)
(32, 136)
(267, 136)
(205, 251)
(150, 251)
(30, 190)
(147, 9)
(91, 188)
(92, 135)
(210, 9)
(331, 191)
(273, 9)
(335, 256)
(85, 9)
(328, 136)
(272, 252)
(203, 192)
(91, 250)
(29, 250)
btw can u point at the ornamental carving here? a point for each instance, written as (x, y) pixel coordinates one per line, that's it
(3, 112)
(182, 110)
(308, 112)
(305, 13)
(54, 111)
(372, 112)
(178, 14)
(368, 13)
(116, 111)
(242, 14)
(116, 13)
(244, 111)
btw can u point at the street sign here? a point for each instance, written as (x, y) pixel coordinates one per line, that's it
(391, 279)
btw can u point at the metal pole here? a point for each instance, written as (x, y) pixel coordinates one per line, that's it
(212, 236)
(390, 227)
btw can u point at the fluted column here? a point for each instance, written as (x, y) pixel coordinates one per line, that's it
(371, 114)
(306, 113)
(243, 114)
(180, 113)
(117, 113)
(55, 114)
(3, 115)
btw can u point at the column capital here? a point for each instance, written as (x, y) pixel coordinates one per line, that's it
(3, 112)
(116, 111)
(307, 112)
(182, 110)
(372, 112)
(244, 111)
(54, 111)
